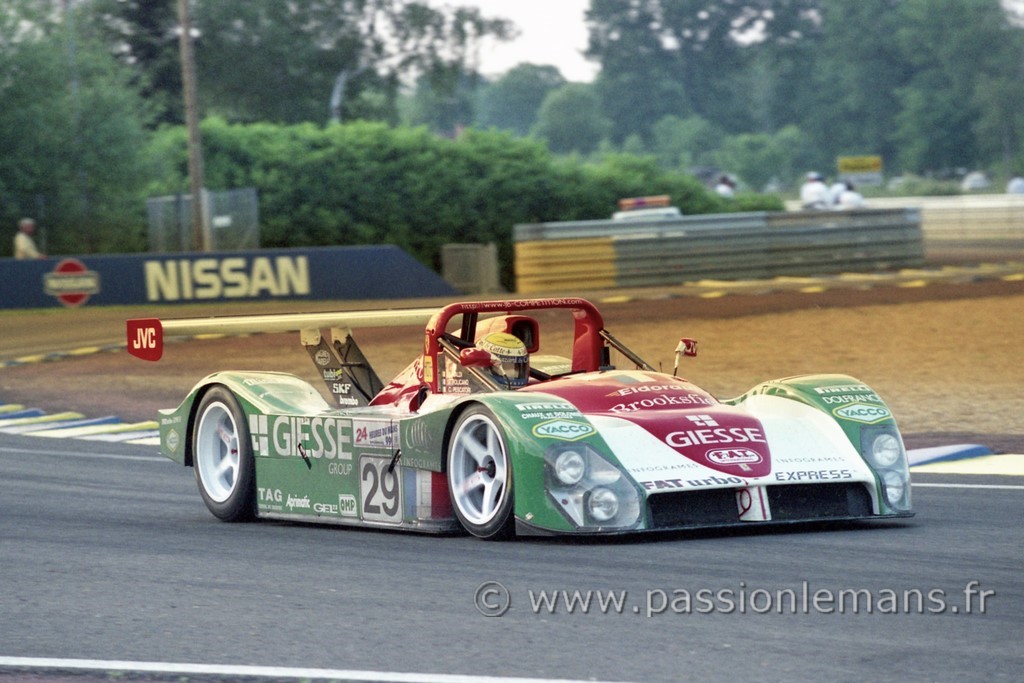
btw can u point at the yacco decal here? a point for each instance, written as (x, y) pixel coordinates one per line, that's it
(565, 430)
(863, 412)
(234, 277)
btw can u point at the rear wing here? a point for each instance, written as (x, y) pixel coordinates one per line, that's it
(338, 359)
(146, 336)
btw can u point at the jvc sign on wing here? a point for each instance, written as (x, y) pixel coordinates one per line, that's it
(145, 339)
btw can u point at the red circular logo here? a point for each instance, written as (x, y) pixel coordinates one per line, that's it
(71, 282)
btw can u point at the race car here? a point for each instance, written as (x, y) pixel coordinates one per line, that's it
(483, 432)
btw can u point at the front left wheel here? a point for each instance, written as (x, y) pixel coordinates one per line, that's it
(480, 475)
(222, 457)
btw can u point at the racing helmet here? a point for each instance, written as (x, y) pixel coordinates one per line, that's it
(511, 366)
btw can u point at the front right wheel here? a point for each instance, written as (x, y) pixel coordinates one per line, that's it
(480, 475)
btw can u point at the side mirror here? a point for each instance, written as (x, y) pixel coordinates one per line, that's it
(475, 358)
(686, 348)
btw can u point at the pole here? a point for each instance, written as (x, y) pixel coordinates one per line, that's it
(200, 231)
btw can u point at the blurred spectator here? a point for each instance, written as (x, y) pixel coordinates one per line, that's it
(849, 198)
(24, 245)
(974, 181)
(726, 187)
(1015, 186)
(814, 193)
(836, 190)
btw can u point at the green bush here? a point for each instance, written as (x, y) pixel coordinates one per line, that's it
(368, 183)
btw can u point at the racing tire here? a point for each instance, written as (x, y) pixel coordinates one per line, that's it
(480, 475)
(222, 457)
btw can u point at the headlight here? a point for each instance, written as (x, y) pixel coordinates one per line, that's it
(895, 487)
(602, 504)
(570, 467)
(885, 450)
(589, 490)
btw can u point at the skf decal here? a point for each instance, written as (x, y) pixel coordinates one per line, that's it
(566, 430)
(863, 412)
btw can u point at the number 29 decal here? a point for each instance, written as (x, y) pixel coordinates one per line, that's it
(380, 490)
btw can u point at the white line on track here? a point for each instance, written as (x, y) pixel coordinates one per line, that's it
(997, 487)
(261, 671)
(85, 456)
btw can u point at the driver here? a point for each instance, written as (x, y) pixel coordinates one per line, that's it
(511, 367)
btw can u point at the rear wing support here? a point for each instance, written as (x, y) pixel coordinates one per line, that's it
(342, 366)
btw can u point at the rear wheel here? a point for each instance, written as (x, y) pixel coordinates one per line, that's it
(480, 475)
(222, 457)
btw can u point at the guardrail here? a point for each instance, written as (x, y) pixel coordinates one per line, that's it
(607, 254)
(961, 218)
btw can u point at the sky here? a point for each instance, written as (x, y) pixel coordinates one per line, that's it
(550, 32)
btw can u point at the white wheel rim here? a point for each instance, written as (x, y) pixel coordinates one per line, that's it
(216, 451)
(478, 470)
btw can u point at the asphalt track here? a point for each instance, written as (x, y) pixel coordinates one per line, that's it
(112, 569)
(108, 555)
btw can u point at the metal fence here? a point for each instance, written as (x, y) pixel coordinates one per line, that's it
(232, 216)
(607, 254)
(995, 218)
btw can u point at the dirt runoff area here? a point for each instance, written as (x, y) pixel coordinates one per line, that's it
(948, 359)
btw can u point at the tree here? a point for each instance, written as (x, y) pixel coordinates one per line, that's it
(512, 101)
(760, 158)
(73, 133)
(639, 81)
(570, 120)
(951, 43)
(446, 109)
(315, 60)
(685, 143)
(318, 60)
(860, 70)
(143, 35)
(688, 57)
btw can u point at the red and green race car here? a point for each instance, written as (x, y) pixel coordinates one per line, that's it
(488, 431)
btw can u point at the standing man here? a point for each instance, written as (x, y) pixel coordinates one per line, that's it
(24, 245)
(814, 192)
